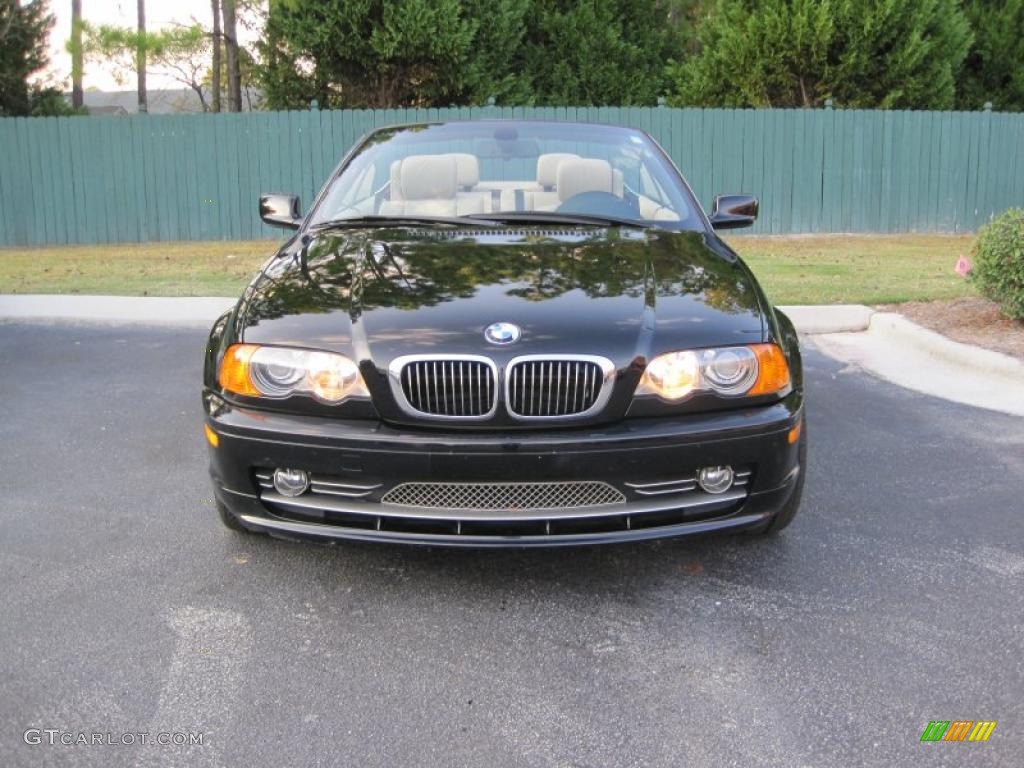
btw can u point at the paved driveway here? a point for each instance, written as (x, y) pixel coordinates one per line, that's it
(897, 597)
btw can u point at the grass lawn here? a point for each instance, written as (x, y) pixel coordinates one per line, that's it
(856, 269)
(138, 269)
(820, 269)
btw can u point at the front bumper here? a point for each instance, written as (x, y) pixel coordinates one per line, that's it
(649, 463)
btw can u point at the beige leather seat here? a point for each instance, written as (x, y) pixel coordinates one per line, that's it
(395, 188)
(469, 198)
(547, 168)
(427, 185)
(449, 185)
(467, 170)
(424, 185)
(576, 177)
(651, 210)
(545, 198)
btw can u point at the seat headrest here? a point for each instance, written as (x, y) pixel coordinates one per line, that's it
(428, 177)
(585, 175)
(395, 188)
(467, 169)
(547, 167)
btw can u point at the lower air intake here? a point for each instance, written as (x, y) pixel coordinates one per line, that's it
(502, 497)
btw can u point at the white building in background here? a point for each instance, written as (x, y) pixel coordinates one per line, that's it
(161, 101)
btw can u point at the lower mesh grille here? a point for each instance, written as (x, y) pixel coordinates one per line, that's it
(503, 496)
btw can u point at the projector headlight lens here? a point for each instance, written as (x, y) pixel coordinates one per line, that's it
(276, 371)
(729, 371)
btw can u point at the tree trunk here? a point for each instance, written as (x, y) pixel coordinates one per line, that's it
(803, 93)
(140, 58)
(198, 88)
(231, 48)
(76, 54)
(215, 76)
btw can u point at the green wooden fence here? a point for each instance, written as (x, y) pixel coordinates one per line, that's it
(197, 177)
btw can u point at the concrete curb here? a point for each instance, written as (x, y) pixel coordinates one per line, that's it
(202, 311)
(899, 329)
(190, 311)
(921, 360)
(829, 318)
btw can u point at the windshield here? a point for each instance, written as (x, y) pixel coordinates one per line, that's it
(504, 169)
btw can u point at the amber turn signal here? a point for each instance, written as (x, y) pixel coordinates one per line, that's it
(772, 370)
(211, 437)
(234, 370)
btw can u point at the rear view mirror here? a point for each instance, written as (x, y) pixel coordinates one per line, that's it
(507, 149)
(733, 211)
(281, 210)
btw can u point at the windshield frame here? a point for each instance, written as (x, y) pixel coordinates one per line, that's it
(701, 223)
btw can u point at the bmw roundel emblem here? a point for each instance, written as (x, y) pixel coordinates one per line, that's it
(502, 333)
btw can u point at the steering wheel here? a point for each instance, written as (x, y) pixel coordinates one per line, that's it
(600, 204)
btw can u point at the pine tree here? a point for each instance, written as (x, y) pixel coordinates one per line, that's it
(392, 53)
(860, 53)
(604, 52)
(24, 28)
(994, 69)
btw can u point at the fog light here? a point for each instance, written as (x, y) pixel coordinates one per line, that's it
(715, 479)
(291, 482)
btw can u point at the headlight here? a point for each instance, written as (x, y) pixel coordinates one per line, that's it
(758, 369)
(276, 372)
(729, 371)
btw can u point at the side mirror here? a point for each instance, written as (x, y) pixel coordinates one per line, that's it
(281, 211)
(733, 211)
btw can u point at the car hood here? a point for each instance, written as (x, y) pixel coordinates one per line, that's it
(623, 293)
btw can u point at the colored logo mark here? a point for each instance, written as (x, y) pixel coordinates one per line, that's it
(502, 333)
(958, 730)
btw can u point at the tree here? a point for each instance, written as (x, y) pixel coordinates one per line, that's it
(23, 33)
(395, 53)
(246, 74)
(182, 52)
(24, 29)
(367, 53)
(140, 57)
(601, 52)
(231, 49)
(179, 50)
(76, 54)
(861, 53)
(215, 69)
(494, 64)
(994, 69)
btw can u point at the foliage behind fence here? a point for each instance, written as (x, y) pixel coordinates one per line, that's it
(197, 177)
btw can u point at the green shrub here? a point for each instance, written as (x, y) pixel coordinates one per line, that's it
(998, 268)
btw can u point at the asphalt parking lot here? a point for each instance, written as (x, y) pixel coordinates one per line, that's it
(895, 598)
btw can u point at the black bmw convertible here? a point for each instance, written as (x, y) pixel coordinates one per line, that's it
(505, 333)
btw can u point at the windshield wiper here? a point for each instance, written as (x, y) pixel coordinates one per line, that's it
(553, 217)
(400, 221)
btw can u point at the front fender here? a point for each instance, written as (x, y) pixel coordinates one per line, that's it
(215, 345)
(790, 343)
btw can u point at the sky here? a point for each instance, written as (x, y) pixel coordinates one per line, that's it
(159, 13)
